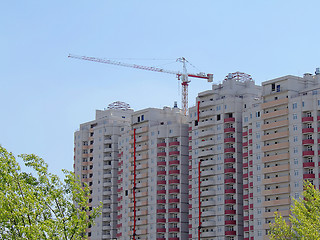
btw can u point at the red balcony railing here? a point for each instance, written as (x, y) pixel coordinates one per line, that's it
(307, 141)
(308, 164)
(226, 130)
(228, 120)
(307, 119)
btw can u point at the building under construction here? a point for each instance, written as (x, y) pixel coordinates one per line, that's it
(219, 173)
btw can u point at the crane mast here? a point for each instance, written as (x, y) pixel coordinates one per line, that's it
(183, 76)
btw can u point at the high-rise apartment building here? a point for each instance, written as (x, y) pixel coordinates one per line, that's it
(96, 163)
(215, 168)
(153, 176)
(220, 175)
(281, 148)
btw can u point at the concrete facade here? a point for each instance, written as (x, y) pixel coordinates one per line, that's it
(215, 140)
(285, 148)
(96, 163)
(242, 154)
(153, 176)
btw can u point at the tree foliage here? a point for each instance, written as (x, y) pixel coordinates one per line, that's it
(305, 218)
(40, 205)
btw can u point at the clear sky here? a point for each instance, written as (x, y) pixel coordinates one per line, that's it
(45, 96)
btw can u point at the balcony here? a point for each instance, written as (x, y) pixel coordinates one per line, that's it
(308, 141)
(163, 163)
(276, 191)
(272, 203)
(308, 175)
(162, 210)
(275, 146)
(229, 160)
(161, 220)
(230, 233)
(275, 113)
(174, 210)
(229, 150)
(174, 200)
(174, 220)
(230, 191)
(275, 136)
(275, 157)
(230, 180)
(161, 154)
(307, 130)
(244, 134)
(174, 229)
(229, 140)
(163, 144)
(307, 119)
(245, 154)
(274, 103)
(229, 120)
(230, 212)
(308, 153)
(174, 190)
(161, 173)
(161, 230)
(173, 153)
(230, 222)
(161, 182)
(161, 201)
(176, 143)
(275, 125)
(308, 164)
(174, 162)
(229, 130)
(230, 201)
(174, 181)
(229, 170)
(276, 180)
(174, 171)
(283, 167)
(161, 191)
(245, 175)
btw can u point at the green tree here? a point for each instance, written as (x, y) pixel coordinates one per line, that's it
(40, 205)
(304, 220)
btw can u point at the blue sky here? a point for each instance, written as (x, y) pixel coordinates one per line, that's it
(45, 96)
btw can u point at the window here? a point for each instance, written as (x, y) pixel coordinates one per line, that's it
(295, 116)
(296, 195)
(142, 117)
(294, 105)
(258, 200)
(296, 172)
(245, 119)
(295, 161)
(259, 211)
(258, 178)
(278, 88)
(318, 102)
(273, 87)
(296, 184)
(257, 114)
(257, 124)
(295, 150)
(295, 139)
(258, 135)
(302, 104)
(258, 189)
(258, 167)
(295, 127)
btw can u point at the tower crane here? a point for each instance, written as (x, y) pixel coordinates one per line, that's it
(183, 76)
